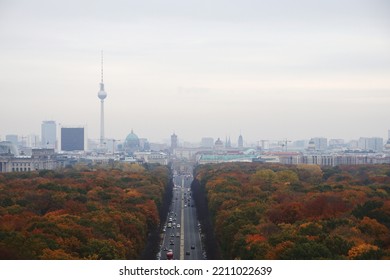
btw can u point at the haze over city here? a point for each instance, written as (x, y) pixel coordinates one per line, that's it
(265, 69)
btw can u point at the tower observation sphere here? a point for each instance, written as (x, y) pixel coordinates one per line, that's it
(102, 94)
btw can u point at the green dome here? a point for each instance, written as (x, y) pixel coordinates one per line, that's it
(132, 142)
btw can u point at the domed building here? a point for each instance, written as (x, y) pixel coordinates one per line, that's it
(132, 143)
(7, 147)
(218, 145)
(312, 145)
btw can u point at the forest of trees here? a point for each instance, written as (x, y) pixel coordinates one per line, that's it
(266, 211)
(80, 213)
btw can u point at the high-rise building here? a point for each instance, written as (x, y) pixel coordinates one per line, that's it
(240, 141)
(321, 143)
(102, 95)
(299, 144)
(207, 142)
(376, 144)
(49, 134)
(371, 144)
(173, 141)
(336, 143)
(72, 138)
(13, 138)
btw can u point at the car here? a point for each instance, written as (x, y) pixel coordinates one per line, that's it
(177, 234)
(188, 253)
(178, 225)
(172, 235)
(171, 242)
(165, 249)
(192, 246)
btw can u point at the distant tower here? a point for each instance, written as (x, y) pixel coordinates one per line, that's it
(173, 141)
(102, 95)
(228, 143)
(240, 142)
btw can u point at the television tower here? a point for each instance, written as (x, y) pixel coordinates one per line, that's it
(102, 95)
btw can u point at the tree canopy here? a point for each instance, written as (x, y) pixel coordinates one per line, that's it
(272, 211)
(80, 213)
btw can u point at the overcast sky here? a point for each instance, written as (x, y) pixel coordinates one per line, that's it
(270, 69)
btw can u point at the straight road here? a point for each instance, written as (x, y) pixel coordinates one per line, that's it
(182, 233)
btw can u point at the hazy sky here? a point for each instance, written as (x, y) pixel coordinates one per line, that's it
(270, 69)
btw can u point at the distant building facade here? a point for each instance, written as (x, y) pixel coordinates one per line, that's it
(152, 157)
(240, 142)
(320, 143)
(49, 134)
(72, 139)
(371, 144)
(41, 159)
(12, 138)
(207, 142)
(336, 143)
(173, 141)
(218, 145)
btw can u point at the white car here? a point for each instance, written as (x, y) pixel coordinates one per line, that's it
(178, 226)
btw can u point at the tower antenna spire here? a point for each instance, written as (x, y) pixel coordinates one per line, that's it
(102, 66)
(102, 95)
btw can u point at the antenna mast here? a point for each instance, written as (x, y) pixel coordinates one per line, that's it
(102, 67)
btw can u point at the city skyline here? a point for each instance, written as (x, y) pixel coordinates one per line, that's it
(263, 70)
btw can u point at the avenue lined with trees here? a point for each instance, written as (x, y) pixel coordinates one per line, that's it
(271, 211)
(80, 213)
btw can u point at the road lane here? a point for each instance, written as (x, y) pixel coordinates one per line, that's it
(186, 216)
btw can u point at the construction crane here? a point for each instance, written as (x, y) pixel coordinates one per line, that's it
(113, 144)
(284, 144)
